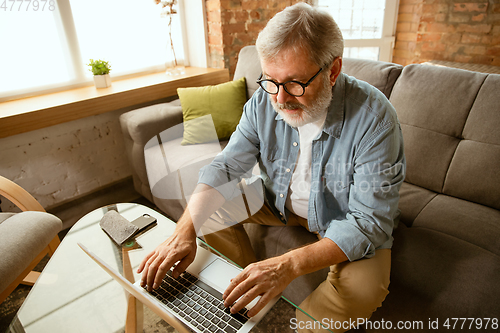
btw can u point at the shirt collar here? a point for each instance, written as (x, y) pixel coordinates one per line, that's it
(335, 117)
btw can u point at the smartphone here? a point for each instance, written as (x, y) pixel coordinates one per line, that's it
(143, 222)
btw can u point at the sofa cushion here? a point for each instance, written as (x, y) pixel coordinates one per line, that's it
(433, 104)
(484, 119)
(435, 98)
(172, 168)
(381, 75)
(223, 102)
(428, 156)
(248, 66)
(435, 275)
(473, 173)
(412, 200)
(465, 220)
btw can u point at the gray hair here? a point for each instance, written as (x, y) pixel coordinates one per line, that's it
(302, 27)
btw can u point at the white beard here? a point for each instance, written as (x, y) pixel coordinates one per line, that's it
(307, 114)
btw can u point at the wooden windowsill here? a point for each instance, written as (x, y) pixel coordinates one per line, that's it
(27, 114)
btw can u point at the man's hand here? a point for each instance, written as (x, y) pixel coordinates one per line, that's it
(267, 278)
(270, 277)
(180, 247)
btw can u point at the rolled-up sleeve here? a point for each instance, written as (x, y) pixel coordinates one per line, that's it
(378, 173)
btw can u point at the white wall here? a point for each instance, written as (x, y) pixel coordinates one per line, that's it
(65, 161)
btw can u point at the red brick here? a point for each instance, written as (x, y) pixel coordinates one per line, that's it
(403, 54)
(436, 47)
(255, 15)
(214, 39)
(429, 55)
(254, 4)
(451, 38)
(471, 39)
(406, 36)
(471, 7)
(407, 8)
(234, 28)
(482, 59)
(413, 17)
(214, 16)
(479, 17)
(435, 8)
(441, 17)
(493, 51)
(256, 26)
(403, 27)
(471, 50)
(400, 45)
(408, 2)
(462, 58)
(475, 28)
(241, 16)
(430, 37)
(440, 27)
(459, 18)
(495, 40)
(212, 5)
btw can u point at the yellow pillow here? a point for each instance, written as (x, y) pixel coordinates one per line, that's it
(224, 102)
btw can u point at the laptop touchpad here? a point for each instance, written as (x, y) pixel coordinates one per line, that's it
(219, 273)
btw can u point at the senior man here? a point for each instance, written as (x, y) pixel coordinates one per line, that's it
(330, 151)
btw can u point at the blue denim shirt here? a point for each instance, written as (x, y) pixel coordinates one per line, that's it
(358, 165)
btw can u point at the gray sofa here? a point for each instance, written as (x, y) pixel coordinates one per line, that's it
(446, 254)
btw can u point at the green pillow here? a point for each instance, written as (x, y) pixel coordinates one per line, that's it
(224, 102)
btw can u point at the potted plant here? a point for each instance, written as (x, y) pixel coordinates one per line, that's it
(100, 69)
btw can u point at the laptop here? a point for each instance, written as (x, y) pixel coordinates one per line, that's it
(193, 302)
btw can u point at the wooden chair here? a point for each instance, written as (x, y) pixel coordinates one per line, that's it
(22, 199)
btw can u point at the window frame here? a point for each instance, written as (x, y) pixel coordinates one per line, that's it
(195, 45)
(387, 41)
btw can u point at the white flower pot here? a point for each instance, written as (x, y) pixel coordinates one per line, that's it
(102, 81)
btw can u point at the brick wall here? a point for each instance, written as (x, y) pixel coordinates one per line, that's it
(233, 24)
(453, 30)
(450, 30)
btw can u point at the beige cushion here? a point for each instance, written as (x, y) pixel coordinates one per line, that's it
(381, 75)
(22, 237)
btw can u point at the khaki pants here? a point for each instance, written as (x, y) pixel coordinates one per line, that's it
(352, 290)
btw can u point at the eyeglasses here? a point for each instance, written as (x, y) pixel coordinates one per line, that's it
(294, 88)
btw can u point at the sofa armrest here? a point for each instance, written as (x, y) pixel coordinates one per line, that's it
(138, 127)
(142, 124)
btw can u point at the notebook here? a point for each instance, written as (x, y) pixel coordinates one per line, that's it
(192, 303)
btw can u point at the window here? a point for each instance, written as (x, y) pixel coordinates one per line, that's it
(368, 26)
(46, 43)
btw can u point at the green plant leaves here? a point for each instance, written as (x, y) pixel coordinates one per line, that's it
(99, 67)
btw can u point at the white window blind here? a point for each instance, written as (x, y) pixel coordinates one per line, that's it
(50, 47)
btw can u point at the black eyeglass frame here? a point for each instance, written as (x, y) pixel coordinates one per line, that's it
(303, 85)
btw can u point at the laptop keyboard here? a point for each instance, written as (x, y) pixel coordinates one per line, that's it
(199, 304)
